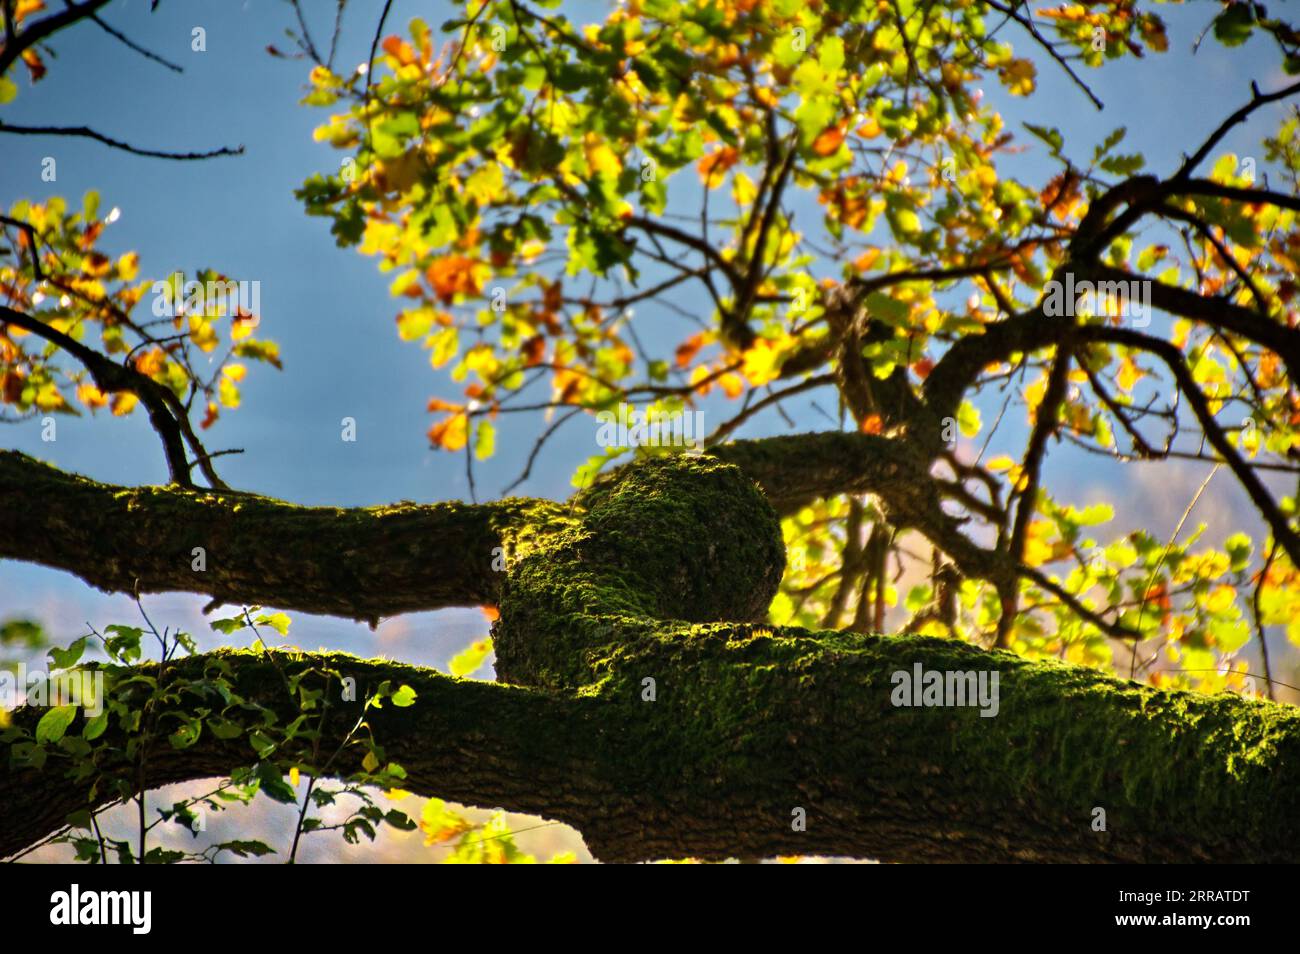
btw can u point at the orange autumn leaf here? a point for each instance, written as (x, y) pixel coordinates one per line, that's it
(210, 417)
(869, 129)
(35, 66)
(715, 164)
(451, 434)
(399, 49)
(872, 424)
(828, 141)
(1159, 595)
(453, 275)
(491, 612)
(534, 350)
(688, 349)
(868, 258)
(733, 385)
(151, 362)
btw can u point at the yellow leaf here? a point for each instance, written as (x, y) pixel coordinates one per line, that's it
(762, 363)
(1129, 374)
(123, 403)
(203, 334)
(470, 659)
(48, 398)
(1019, 76)
(487, 182)
(1220, 598)
(600, 158)
(91, 396)
(1037, 550)
(414, 323)
(743, 189)
(228, 393)
(128, 266)
(733, 385)
(444, 346)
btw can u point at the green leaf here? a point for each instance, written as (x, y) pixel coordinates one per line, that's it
(484, 439)
(262, 744)
(95, 727)
(67, 658)
(470, 659)
(1233, 26)
(25, 631)
(277, 621)
(54, 723)
(404, 696)
(228, 626)
(890, 309)
(831, 54)
(1050, 135)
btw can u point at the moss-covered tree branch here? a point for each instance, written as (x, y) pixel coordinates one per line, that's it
(750, 724)
(361, 563)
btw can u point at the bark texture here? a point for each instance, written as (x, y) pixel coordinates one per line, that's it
(662, 573)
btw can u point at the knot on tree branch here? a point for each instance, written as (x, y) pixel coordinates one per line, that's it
(673, 538)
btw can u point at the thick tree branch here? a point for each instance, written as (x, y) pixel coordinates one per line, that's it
(360, 563)
(751, 724)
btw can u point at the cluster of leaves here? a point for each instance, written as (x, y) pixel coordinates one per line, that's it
(190, 338)
(150, 706)
(491, 842)
(22, 10)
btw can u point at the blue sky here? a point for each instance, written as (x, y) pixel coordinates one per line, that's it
(330, 309)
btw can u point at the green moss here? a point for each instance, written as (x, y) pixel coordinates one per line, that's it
(675, 537)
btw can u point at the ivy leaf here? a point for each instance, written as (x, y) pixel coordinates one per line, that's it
(67, 658)
(403, 697)
(95, 727)
(55, 723)
(277, 621)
